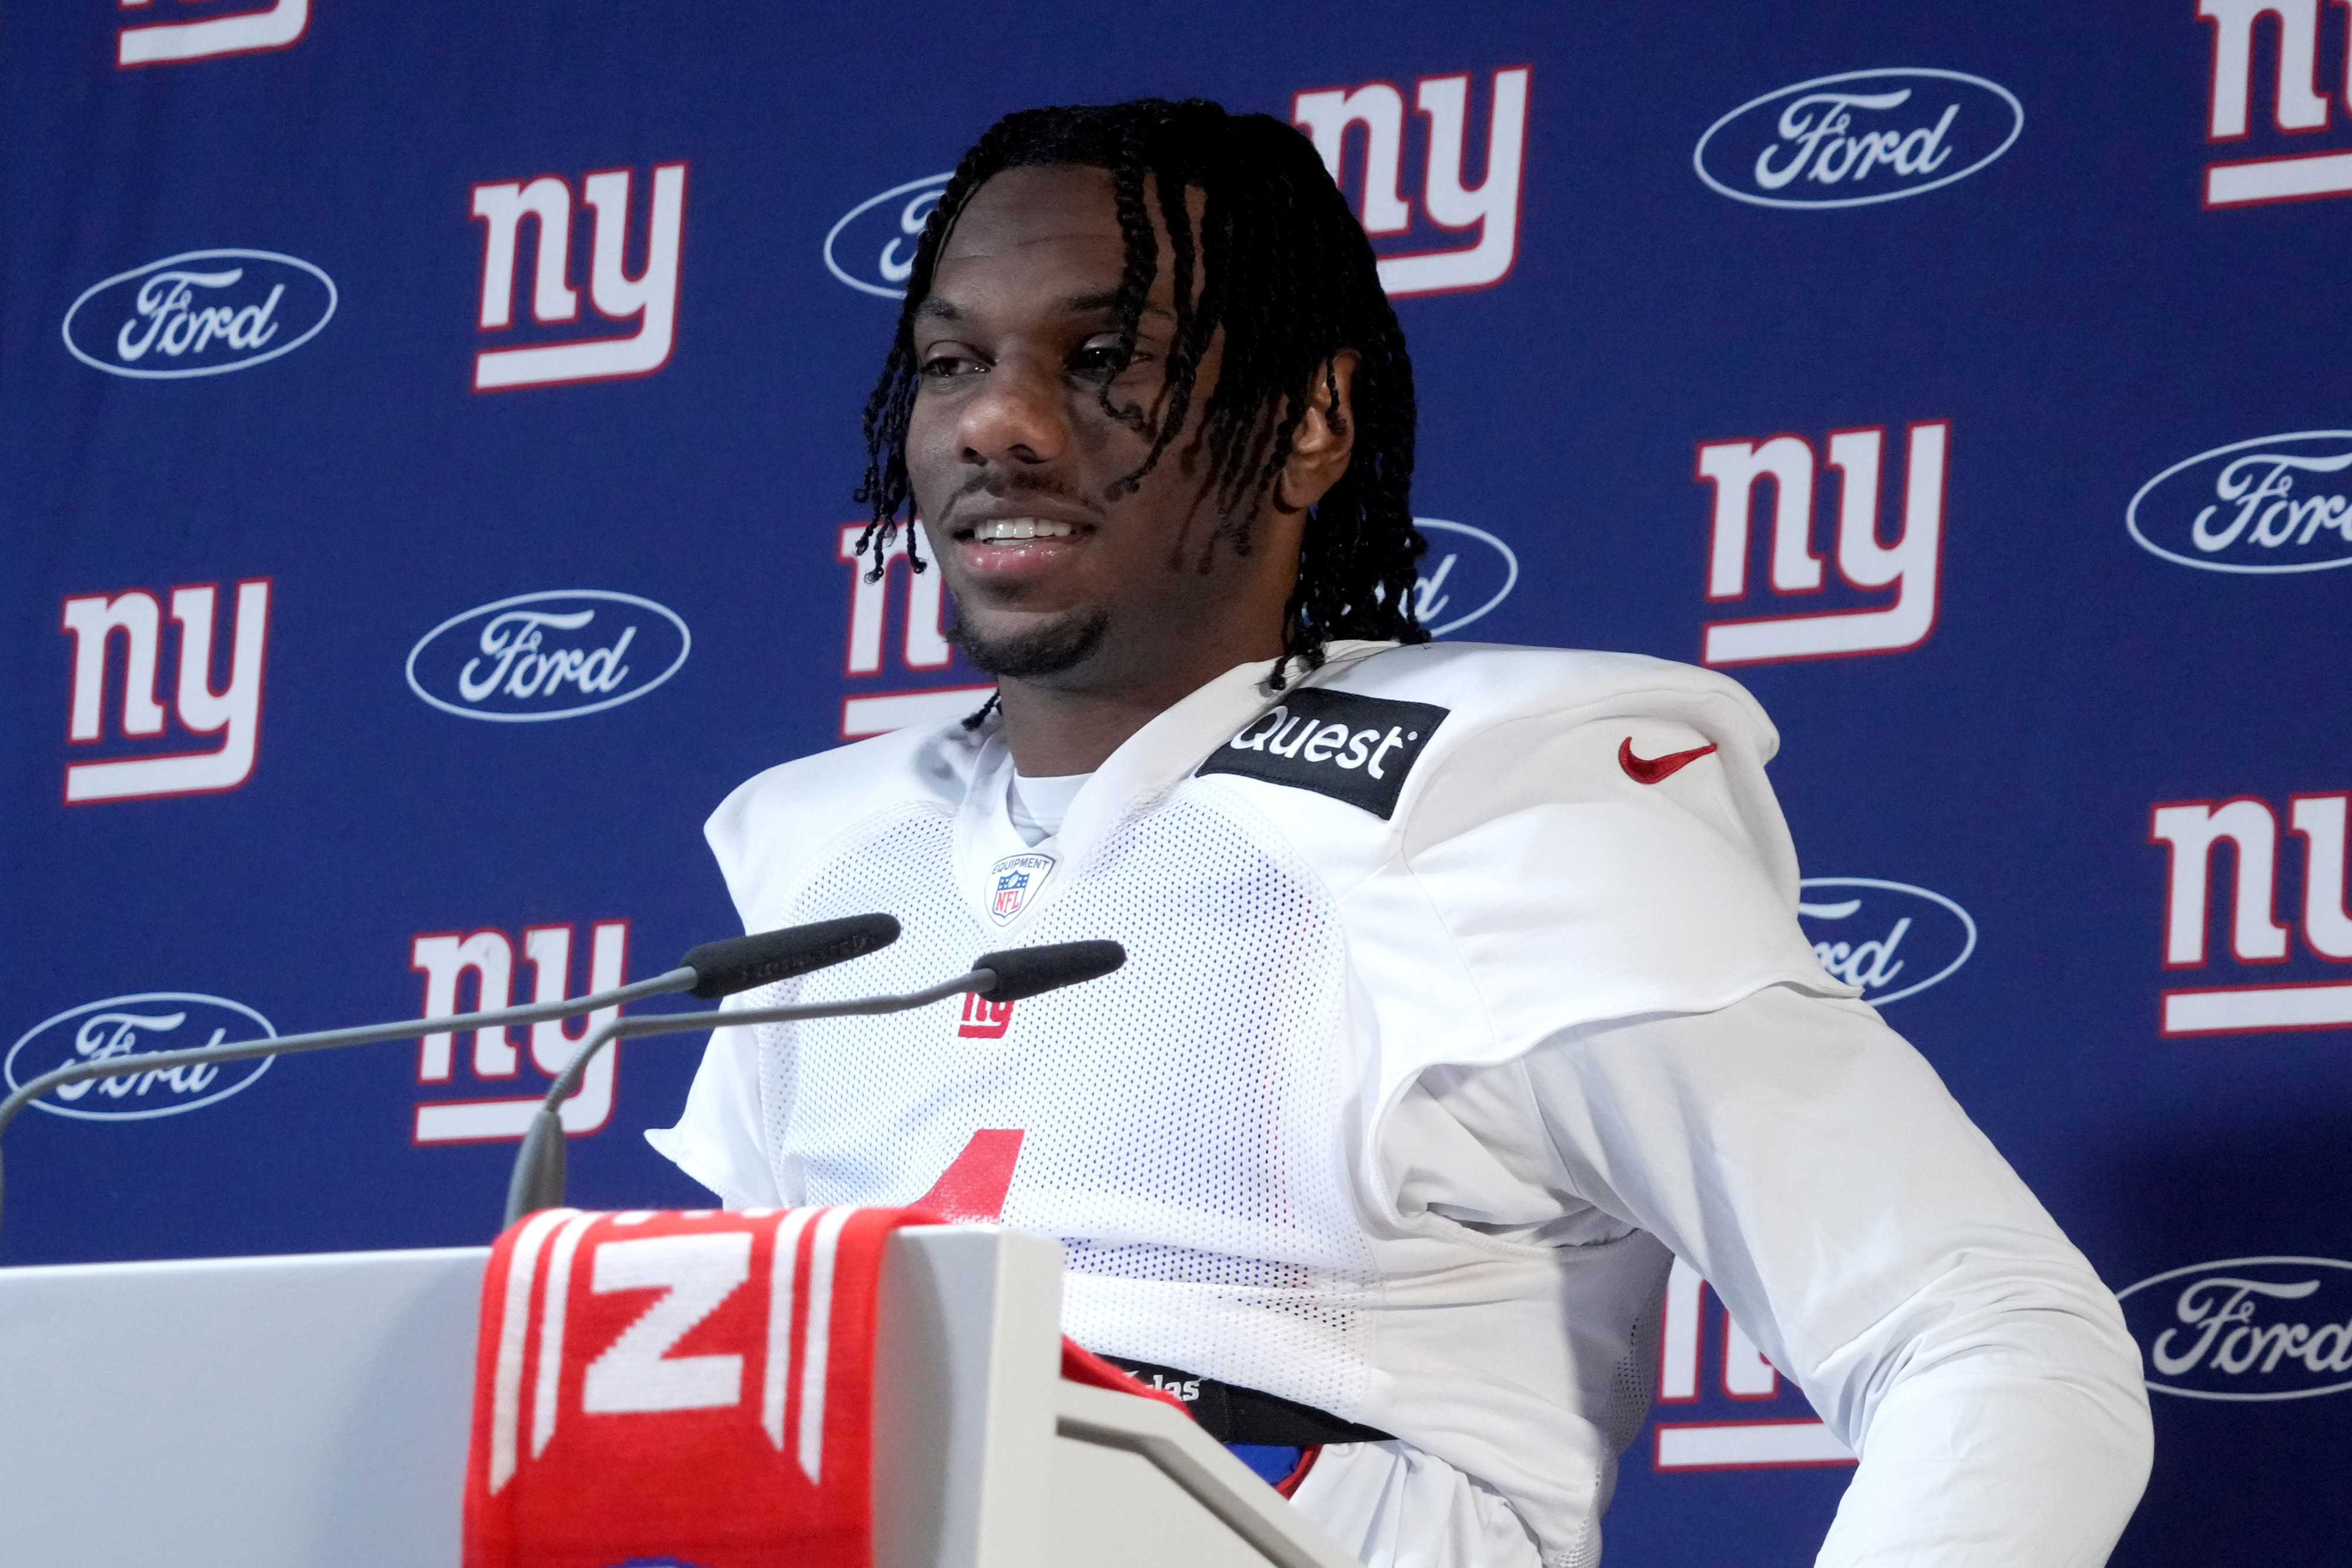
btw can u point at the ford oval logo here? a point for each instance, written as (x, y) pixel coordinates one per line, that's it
(2277, 503)
(1466, 572)
(1863, 137)
(2245, 1329)
(200, 313)
(138, 1025)
(872, 248)
(558, 654)
(1890, 939)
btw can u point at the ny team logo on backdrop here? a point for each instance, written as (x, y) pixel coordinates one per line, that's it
(448, 959)
(242, 29)
(169, 764)
(2191, 830)
(1424, 255)
(1422, 244)
(1868, 566)
(645, 305)
(2298, 107)
(922, 649)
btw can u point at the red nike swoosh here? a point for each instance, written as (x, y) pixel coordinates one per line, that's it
(1657, 769)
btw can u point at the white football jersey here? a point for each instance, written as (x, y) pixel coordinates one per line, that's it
(1417, 863)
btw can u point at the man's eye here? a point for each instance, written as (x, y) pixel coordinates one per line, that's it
(940, 367)
(1102, 360)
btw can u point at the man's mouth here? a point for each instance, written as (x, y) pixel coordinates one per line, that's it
(1016, 530)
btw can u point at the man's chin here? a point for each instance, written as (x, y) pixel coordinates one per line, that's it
(1039, 651)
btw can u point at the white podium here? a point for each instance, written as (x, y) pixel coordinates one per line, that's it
(313, 1410)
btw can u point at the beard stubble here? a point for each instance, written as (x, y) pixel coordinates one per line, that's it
(1055, 648)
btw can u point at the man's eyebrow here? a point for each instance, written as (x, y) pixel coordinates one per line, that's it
(1108, 300)
(1094, 302)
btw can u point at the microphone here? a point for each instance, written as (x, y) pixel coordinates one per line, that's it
(537, 1179)
(740, 963)
(713, 969)
(1025, 971)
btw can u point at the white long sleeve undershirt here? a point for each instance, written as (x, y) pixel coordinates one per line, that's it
(1805, 1159)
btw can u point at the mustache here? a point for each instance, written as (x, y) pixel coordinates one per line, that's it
(1004, 486)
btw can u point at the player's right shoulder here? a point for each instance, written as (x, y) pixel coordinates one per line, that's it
(766, 830)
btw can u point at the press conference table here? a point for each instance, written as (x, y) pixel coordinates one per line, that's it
(293, 1412)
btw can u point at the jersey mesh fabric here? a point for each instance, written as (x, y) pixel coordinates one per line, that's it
(1180, 1116)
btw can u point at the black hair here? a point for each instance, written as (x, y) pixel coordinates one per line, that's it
(1287, 273)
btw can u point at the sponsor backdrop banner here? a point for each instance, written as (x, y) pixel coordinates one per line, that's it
(426, 448)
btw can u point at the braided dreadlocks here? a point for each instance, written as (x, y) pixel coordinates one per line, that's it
(1285, 272)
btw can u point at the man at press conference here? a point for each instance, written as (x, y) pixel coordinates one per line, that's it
(1465, 988)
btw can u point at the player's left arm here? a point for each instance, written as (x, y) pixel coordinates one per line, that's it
(1882, 1254)
(1632, 935)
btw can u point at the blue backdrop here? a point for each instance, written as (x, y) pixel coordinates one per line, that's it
(426, 435)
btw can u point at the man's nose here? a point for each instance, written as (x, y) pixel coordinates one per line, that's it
(1014, 417)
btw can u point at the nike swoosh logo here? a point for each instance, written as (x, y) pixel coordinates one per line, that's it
(1657, 769)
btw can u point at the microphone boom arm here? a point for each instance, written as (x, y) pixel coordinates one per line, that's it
(677, 980)
(681, 978)
(714, 969)
(537, 1179)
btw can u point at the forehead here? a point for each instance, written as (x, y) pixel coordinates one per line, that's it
(1020, 209)
(1050, 231)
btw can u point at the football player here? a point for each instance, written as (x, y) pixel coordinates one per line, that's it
(1465, 988)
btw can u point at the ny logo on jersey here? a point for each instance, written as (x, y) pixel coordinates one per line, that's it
(983, 1020)
(1909, 566)
(95, 620)
(240, 30)
(448, 959)
(923, 649)
(1791, 1436)
(1432, 261)
(2191, 830)
(648, 301)
(2298, 105)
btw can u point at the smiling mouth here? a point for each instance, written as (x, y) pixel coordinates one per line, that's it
(1019, 530)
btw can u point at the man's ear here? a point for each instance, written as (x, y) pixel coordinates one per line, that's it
(1325, 438)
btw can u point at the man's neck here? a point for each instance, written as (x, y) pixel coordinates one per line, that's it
(1054, 732)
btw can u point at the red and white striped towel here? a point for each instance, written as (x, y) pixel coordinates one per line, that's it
(690, 1387)
(684, 1387)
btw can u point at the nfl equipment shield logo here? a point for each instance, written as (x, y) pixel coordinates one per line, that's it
(1012, 880)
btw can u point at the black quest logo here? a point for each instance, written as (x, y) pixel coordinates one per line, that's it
(1352, 748)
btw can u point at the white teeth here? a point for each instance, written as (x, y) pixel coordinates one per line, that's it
(1023, 528)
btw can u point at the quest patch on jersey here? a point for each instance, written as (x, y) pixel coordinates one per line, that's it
(1352, 748)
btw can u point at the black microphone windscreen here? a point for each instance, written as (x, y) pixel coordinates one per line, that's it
(740, 963)
(1025, 971)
